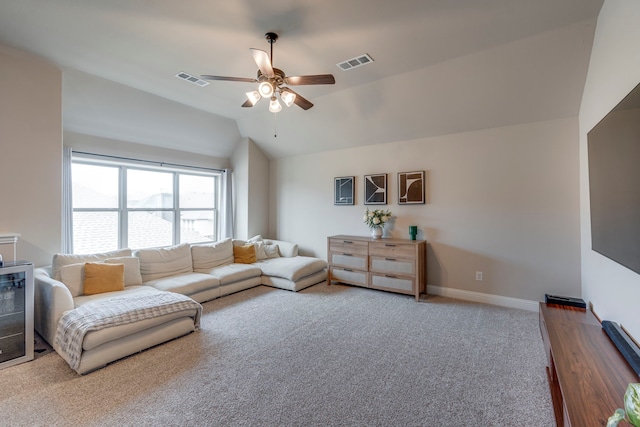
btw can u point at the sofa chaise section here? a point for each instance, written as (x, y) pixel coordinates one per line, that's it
(100, 346)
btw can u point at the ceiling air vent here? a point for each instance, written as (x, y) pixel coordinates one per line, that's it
(358, 61)
(193, 79)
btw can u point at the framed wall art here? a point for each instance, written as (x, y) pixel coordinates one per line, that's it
(375, 189)
(344, 190)
(411, 188)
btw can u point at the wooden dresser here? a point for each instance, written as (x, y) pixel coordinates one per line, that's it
(587, 374)
(395, 265)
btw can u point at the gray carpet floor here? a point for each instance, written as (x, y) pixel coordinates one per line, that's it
(326, 356)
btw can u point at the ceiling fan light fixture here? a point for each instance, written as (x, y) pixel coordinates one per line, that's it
(287, 97)
(253, 96)
(265, 89)
(274, 105)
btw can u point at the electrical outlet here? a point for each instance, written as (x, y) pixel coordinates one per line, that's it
(479, 276)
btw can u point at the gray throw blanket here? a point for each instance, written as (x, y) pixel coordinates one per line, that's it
(75, 324)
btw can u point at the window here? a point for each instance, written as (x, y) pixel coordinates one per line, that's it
(119, 206)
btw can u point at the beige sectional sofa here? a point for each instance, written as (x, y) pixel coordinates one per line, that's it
(200, 272)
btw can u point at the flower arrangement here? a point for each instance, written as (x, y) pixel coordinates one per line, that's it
(376, 217)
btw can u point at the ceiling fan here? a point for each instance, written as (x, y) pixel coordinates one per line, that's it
(272, 81)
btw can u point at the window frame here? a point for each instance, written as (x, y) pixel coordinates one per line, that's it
(123, 210)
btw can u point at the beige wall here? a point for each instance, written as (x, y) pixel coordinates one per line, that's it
(502, 201)
(31, 153)
(614, 71)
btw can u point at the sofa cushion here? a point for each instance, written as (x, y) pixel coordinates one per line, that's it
(131, 264)
(245, 254)
(60, 260)
(210, 255)
(293, 268)
(234, 272)
(156, 263)
(100, 278)
(185, 284)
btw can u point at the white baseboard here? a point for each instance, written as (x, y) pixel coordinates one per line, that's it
(522, 304)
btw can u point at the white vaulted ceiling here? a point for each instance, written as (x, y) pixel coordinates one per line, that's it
(440, 67)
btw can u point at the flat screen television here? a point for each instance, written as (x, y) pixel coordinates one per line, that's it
(614, 183)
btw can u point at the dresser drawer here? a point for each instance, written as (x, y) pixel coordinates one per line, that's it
(392, 250)
(349, 246)
(352, 277)
(404, 267)
(399, 284)
(358, 262)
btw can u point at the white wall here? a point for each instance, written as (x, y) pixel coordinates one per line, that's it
(98, 145)
(258, 215)
(503, 201)
(614, 71)
(251, 190)
(31, 153)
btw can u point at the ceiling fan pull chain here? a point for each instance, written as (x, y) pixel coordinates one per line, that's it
(275, 125)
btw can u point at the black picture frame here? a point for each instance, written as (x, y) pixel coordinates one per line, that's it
(411, 189)
(375, 189)
(344, 191)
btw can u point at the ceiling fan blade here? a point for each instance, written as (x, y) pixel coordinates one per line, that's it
(317, 79)
(300, 101)
(229, 79)
(247, 104)
(263, 62)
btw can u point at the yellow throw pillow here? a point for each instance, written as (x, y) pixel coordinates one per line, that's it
(245, 254)
(100, 278)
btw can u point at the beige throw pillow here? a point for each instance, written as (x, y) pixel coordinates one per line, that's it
(100, 278)
(244, 254)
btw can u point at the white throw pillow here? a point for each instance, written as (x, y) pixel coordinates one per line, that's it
(271, 251)
(132, 274)
(260, 252)
(72, 275)
(211, 255)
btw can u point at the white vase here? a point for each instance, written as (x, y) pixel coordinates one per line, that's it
(376, 232)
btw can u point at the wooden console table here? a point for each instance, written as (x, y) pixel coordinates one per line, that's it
(587, 374)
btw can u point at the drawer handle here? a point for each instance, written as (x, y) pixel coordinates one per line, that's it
(347, 254)
(348, 269)
(390, 259)
(390, 245)
(390, 275)
(347, 241)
